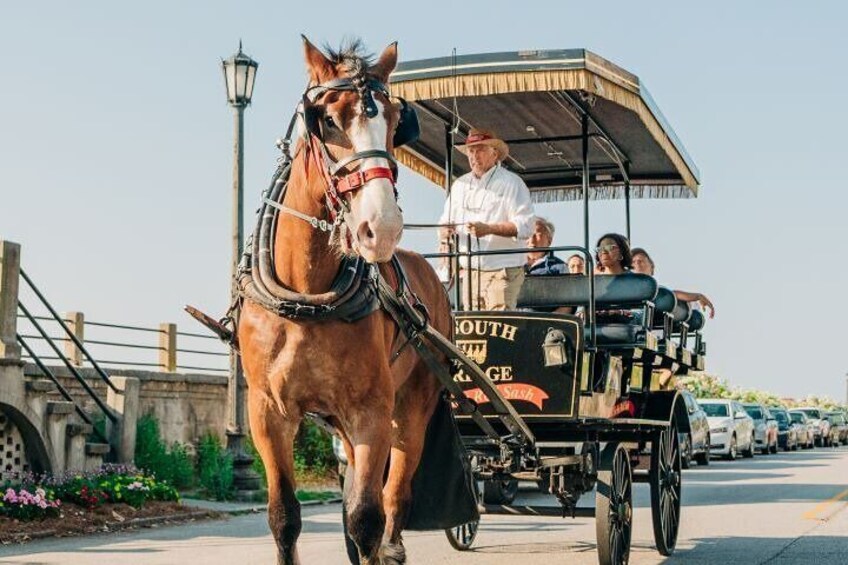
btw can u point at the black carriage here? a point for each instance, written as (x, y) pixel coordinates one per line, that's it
(574, 402)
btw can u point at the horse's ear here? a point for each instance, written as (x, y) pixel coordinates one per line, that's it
(320, 68)
(386, 63)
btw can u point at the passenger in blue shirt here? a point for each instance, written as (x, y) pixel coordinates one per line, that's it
(543, 262)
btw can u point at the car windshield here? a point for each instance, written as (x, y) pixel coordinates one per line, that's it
(780, 417)
(715, 410)
(836, 418)
(812, 413)
(799, 418)
(754, 412)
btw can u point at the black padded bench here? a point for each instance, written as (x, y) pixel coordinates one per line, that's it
(612, 292)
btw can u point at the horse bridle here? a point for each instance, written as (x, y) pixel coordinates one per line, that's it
(338, 184)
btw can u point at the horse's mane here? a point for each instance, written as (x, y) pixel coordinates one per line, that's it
(351, 56)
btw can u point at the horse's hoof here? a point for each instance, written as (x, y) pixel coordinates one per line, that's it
(393, 554)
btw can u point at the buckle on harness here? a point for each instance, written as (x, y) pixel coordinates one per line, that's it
(355, 180)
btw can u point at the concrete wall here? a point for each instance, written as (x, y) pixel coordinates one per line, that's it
(186, 405)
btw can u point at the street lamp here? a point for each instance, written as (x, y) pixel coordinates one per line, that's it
(239, 75)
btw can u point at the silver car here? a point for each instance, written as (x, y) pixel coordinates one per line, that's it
(765, 427)
(806, 432)
(731, 429)
(821, 427)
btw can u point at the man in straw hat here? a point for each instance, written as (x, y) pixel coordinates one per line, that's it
(492, 205)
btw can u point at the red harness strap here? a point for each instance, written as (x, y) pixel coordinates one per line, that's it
(357, 179)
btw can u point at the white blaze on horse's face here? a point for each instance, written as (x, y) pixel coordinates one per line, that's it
(375, 218)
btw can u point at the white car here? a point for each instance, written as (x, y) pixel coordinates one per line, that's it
(731, 428)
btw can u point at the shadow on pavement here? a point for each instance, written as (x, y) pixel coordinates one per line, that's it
(808, 550)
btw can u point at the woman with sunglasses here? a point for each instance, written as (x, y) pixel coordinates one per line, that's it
(612, 255)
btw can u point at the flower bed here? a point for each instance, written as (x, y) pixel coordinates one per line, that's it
(74, 520)
(34, 497)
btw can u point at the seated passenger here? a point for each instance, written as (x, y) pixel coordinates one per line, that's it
(642, 263)
(612, 255)
(543, 262)
(576, 265)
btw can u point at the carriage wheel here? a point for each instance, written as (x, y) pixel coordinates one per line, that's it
(614, 506)
(462, 537)
(665, 479)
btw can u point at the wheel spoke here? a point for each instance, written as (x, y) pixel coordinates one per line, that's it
(616, 544)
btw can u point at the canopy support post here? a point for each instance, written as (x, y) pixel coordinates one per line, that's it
(590, 317)
(627, 199)
(454, 261)
(584, 119)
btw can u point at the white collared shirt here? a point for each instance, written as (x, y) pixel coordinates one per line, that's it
(498, 196)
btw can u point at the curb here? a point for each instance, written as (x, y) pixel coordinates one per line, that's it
(118, 526)
(156, 520)
(259, 509)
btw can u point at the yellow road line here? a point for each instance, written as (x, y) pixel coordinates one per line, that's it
(814, 513)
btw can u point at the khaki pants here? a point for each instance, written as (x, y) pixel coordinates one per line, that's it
(498, 290)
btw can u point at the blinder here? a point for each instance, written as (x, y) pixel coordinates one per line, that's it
(407, 130)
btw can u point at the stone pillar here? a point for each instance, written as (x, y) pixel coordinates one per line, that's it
(168, 348)
(76, 323)
(10, 266)
(125, 405)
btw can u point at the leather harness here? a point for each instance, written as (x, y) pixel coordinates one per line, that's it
(359, 288)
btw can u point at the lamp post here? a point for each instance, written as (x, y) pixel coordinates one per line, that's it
(239, 75)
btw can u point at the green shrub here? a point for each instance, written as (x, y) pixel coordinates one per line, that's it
(313, 448)
(172, 465)
(214, 468)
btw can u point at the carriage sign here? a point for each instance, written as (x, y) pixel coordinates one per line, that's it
(508, 348)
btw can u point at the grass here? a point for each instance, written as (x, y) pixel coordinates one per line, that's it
(312, 495)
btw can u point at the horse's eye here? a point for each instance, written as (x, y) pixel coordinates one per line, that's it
(328, 121)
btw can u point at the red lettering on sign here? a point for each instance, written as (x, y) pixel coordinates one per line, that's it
(512, 391)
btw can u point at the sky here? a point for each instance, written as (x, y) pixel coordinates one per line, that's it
(116, 151)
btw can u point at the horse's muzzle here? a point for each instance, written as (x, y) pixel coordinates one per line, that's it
(378, 239)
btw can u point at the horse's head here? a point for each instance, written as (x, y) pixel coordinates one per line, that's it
(352, 123)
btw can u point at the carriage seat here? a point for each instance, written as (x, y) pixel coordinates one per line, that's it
(682, 311)
(664, 305)
(611, 291)
(697, 320)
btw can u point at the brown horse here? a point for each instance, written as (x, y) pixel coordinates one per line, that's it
(343, 370)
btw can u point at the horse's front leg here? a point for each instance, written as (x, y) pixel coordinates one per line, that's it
(273, 435)
(415, 402)
(369, 430)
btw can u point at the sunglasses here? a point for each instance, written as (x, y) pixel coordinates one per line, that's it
(608, 248)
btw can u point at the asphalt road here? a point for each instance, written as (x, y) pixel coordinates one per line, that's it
(787, 508)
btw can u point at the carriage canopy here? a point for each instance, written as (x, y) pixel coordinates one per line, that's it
(535, 100)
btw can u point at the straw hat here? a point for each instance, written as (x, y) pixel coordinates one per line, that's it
(485, 137)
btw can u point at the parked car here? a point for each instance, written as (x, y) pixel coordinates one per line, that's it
(765, 427)
(838, 428)
(787, 430)
(695, 444)
(731, 429)
(806, 435)
(821, 425)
